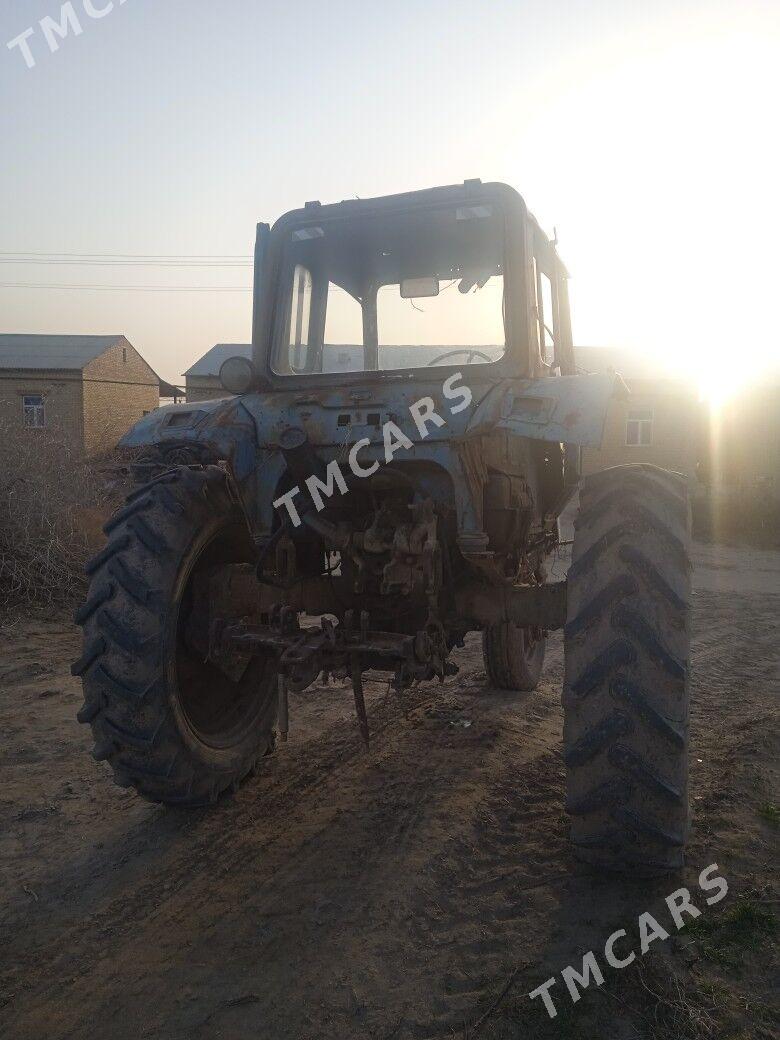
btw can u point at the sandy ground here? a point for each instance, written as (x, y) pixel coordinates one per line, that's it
(420, 889)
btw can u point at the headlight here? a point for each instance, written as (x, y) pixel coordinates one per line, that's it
(237, 375)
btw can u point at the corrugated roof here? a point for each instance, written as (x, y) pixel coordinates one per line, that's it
(211, 362)
(52, 352)
(632, 364)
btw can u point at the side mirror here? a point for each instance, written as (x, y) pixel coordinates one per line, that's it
(238, 375)
(417, 288)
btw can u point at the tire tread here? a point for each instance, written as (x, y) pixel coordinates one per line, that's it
(123, 618)
(627, 683)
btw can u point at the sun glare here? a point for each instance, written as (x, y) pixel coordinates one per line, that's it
(666, 173)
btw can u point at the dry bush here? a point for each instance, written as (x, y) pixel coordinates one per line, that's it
(53, 503)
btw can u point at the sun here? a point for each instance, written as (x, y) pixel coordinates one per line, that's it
(669, 220)
(716, 389)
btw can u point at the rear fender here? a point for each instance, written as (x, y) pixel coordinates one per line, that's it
(203, 431)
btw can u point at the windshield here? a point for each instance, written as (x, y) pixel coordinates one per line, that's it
(407, 290)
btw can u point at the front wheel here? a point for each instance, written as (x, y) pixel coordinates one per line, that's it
(169, 721)
(626, 690)
(513, 655)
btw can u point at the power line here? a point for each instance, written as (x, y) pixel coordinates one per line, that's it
(133, 256)
(127, 288)
(384, 290)
(129, 263)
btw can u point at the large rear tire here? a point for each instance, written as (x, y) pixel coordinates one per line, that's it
(513, 655)
(169, 722)
(626, 694)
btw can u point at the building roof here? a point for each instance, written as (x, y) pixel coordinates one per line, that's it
(628, 363)
(53, 352)
(170, 389)
(211, 362)
(345, 357)
(631, 364)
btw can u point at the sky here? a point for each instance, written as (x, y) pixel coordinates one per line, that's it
(645, 133)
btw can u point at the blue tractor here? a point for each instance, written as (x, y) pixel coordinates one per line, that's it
(385, 476)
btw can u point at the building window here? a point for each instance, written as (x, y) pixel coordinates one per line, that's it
(639, 427)
(34, 411)
(124, 353)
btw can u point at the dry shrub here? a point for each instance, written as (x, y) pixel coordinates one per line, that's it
(53, 504)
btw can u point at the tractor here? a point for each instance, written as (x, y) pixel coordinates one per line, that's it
(384, 474)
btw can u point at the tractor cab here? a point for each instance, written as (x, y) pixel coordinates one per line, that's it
(367, 290)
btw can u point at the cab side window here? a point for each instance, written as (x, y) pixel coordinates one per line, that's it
(548, 323)
(300, 319)
(546, 314)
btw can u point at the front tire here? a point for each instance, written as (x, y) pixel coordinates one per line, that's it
(626, 694)
(513, 655)
(169, 722)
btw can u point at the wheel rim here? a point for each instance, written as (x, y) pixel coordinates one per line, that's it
(218, 710)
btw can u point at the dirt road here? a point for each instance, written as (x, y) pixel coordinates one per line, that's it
(420, 889)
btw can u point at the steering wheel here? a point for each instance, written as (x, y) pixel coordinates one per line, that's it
(470, 352)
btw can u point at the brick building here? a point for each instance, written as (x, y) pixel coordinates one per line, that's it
(90, 389)
(660, 421)
(743, 439)
(202, 379)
